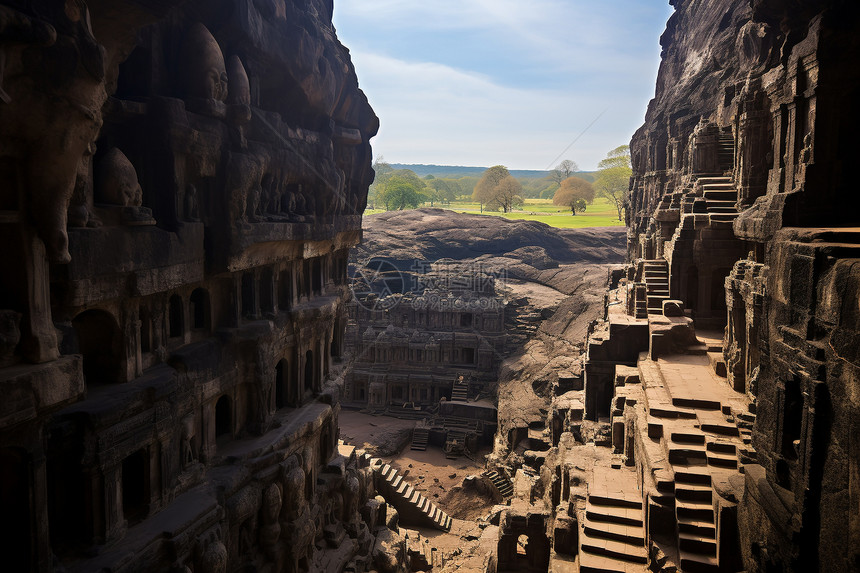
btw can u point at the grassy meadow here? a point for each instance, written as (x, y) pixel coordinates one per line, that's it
(601, 213)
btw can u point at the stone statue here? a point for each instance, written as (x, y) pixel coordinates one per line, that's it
(51, 108)
(117, 184)
(191, 208)
(203, 71)
(237, 79)
(116, 181)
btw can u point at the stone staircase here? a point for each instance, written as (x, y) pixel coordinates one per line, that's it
(612, 534)
(501, 483)
(699, 437)
(420, 437)
(413, 507)
(721, 197)
(460, 390)
(655, 274)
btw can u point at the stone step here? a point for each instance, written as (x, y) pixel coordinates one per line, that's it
(697, 563)
(613, 549)
(693, 492)
(395, 483)
(697, 403)
(722, 460)
(631, 535)
(687, 438)
(698, 527)
(590, 563)
(699, 511)
(687, 456)
(697, 544)
(723, 448)
(613, 514)
(691, 474)
(610, 500)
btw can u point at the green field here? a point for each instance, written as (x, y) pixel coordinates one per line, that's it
(601, 213)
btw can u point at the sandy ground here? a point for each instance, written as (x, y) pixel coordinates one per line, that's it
(439, 478)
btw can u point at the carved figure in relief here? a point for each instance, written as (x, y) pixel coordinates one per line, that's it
(270, 530)
(188, 433)
(203, 71)
(51, 107)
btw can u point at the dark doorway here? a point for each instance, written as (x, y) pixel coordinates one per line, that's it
(267, 291)
(100, 343)
(249, 305)
(223, 417)
(200, 312)
(285, 290)
(692, 299)
(309, 370)
(15, 526)
(135, 486)
(175, 317)
(282, 373)
(317, 276)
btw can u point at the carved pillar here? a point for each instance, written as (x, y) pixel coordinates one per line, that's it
(114, 521)
(38, 337)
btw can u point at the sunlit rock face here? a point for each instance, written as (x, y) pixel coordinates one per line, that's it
(742, 172)
(177, 206)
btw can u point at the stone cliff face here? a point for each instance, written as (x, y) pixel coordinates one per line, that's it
(742, 178)
(180, 184)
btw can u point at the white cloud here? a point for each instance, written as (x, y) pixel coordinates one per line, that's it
(482, 82)
(438, 114)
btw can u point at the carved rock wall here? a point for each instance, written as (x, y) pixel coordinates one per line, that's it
(181, 185)
(742, 174)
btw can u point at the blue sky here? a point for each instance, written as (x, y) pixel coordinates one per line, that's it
(511, 82)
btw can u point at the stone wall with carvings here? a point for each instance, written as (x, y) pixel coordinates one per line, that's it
(180, 185)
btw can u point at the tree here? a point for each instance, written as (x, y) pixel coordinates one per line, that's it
(400, 193)
(574, 193)
(440, 190)
(383, 171)
(613, 177)
(564, 170)
(497, 189)
(506, 195)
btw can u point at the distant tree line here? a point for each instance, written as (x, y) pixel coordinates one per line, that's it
(497, 190)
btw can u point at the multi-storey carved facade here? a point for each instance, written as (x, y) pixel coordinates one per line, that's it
(414, 347)
(181, 183)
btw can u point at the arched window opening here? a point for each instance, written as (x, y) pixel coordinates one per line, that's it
(135, 486)
(223, 417)
(309, 370)
(176, 326)
(100, 342)
(281, 391)
(15, 509)
(200, 309)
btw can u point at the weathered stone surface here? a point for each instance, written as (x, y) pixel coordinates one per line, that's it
(165, 404)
